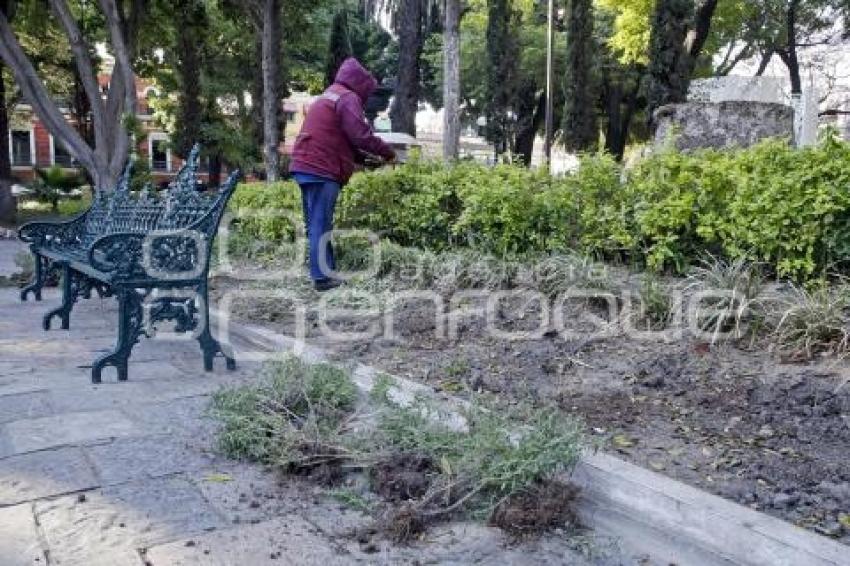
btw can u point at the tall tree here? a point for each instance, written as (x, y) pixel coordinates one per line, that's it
(192, 23)
(104, 160)
(409, 21)
(339, 48)
(580, 131)
(267, 88)
(451, 80)
(669, 60)
(502, 63)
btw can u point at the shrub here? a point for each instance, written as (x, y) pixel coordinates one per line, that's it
(504, 209)
(589, 210)
(413, 205)
(668, 196)
(771, 203)
(267, 211)
(786, 208)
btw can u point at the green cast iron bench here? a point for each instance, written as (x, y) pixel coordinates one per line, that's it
(150, 251)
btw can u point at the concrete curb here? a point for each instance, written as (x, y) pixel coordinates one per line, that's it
(650, 514)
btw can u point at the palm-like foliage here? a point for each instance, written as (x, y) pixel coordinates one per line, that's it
(53, 182)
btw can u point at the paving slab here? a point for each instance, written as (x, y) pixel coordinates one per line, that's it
(29, 435)
(184, 418)
(110, 525)
(19, 543)
(72, 391)
(129, 459)
(8, 368)
(46, 473)
(8, 250)
(34, 404)
(282, 541)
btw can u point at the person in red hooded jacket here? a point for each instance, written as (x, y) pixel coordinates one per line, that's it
(335, 135)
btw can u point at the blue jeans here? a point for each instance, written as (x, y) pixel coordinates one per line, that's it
(318, 198)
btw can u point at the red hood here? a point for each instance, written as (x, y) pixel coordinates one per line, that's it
(356, 78)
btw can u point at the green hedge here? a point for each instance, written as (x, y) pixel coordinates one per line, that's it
(267, 211)
(786, 207)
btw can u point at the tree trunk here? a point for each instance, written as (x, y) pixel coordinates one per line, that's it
(257, 90)
(699, 35)
(271, 91)
(406, 100)
(669, 62)
(580, 131)
(789, 56)
(613, 92)
(531, 111)
(7, 202)
(451, 81)
(620, 108)
(766, 56)
(215, 169)
(190, 113)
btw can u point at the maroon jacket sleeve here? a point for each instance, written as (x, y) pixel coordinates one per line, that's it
(357, 130)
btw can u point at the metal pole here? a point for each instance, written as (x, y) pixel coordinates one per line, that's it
(550, 81)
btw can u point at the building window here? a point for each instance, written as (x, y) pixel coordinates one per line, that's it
(160, 155)
(289, 116)
(61, 156)
(21, 147)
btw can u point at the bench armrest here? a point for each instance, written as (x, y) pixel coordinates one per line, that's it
(160, 255)
(40, 233)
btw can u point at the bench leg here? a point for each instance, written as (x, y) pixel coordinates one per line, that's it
(38, 279)
(209, 345)
(69, 297)
(130, 327)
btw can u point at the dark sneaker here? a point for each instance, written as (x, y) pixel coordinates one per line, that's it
(326, 284)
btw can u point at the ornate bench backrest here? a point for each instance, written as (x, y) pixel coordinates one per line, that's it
(180, 206)
(183, 205)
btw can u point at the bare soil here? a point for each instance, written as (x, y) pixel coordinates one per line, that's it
(731, 419)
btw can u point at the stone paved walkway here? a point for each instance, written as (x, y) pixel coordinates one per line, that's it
(125, 473)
